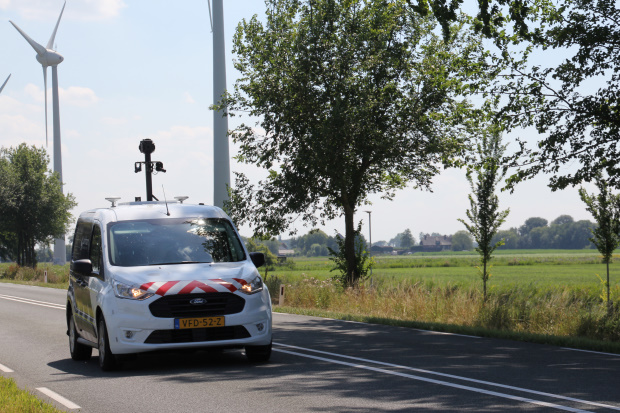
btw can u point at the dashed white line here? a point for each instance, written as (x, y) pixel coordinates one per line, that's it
(488, 383)
(6, 369)
(33, 302)
(53, 395)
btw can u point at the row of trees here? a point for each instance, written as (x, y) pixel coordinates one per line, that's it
(563, 233)
(360, 97)
(33, 209)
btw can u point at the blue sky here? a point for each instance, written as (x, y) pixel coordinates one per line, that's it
(142, 69)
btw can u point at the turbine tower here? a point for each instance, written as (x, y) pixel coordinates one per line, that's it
(49, 57)
(221, 158)
(7, 79)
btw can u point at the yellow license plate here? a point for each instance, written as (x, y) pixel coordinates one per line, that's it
(200, 322)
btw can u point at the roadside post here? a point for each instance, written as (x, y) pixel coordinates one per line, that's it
(281, 298)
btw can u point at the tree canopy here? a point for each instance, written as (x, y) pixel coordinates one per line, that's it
(354, 97)
(571, 100)
(33, 209)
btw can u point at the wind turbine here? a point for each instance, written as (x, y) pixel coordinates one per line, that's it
(49, 57)
(7, 79)
(221, 158)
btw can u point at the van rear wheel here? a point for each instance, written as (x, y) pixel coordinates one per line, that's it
(107, 360)
(79, 352)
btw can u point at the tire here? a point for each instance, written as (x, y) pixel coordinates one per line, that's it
(258, 353)
(107, 360)
(79, 352)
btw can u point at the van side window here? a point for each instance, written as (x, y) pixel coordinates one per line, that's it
(95, 249)
(81, 241)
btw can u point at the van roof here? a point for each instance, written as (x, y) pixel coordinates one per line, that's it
(153, 210)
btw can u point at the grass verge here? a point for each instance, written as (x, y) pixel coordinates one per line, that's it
(570, 342)
(15, 400)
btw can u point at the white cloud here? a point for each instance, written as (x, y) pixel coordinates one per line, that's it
(183, 133)
(35, 92)
(20, 122)
(82, 10)
(18, 128)
(78, 96)
(189, 98)
(75, 96)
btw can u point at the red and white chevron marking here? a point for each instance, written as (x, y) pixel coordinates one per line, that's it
(192, 287)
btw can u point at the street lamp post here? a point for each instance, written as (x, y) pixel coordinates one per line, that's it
(370, 240)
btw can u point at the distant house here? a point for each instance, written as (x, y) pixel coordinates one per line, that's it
(436, 242)
(284, 252)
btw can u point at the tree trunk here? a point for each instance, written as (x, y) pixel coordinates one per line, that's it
(20, 250)
(484, 280)
(609, 303)
(349, 246)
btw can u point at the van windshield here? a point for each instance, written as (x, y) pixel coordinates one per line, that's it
(173, 241)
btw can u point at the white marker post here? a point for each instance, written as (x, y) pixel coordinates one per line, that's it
(281, 298)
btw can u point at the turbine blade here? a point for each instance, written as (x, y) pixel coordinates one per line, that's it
(50, 44)
(45, 85)
(210, 18)
(7, 79)
(36, 46)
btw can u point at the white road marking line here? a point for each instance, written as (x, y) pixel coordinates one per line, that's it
(34, 302)
(590, 351)
(445, 334)
(439, 382)
(53, 395)
(6, 369)
(487, 383)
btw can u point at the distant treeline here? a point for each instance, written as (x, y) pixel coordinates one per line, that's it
(563, 233)
(536, 233)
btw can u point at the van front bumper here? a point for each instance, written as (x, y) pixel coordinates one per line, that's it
(133, 329)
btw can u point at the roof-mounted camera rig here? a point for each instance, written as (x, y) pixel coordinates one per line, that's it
(147, 147)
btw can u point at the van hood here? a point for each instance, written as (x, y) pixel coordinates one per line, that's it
(187, 278)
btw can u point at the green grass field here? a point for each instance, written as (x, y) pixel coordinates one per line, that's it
(540, 268)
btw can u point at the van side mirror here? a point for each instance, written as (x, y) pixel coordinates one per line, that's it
(258, 258)
(82, 267)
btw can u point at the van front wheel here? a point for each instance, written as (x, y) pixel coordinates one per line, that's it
(107, 360)
(258, 353)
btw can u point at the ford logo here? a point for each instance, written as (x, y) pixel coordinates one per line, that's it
(198, 301)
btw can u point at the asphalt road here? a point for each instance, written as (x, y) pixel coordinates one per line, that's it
(318, 365)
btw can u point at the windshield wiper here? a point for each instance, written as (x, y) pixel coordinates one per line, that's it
(182, 262)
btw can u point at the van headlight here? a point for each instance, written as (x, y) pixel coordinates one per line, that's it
(254, 286)
(130, 292)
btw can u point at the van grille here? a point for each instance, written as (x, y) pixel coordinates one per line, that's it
(179, 305)
(197, 335)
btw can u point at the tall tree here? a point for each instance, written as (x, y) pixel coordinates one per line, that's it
(605, 208)
(354, 97)
(484, 214)
(530, 224)
(407, 241)
(461, 241)
(33, 209)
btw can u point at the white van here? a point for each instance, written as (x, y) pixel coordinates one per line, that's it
(148, 276)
